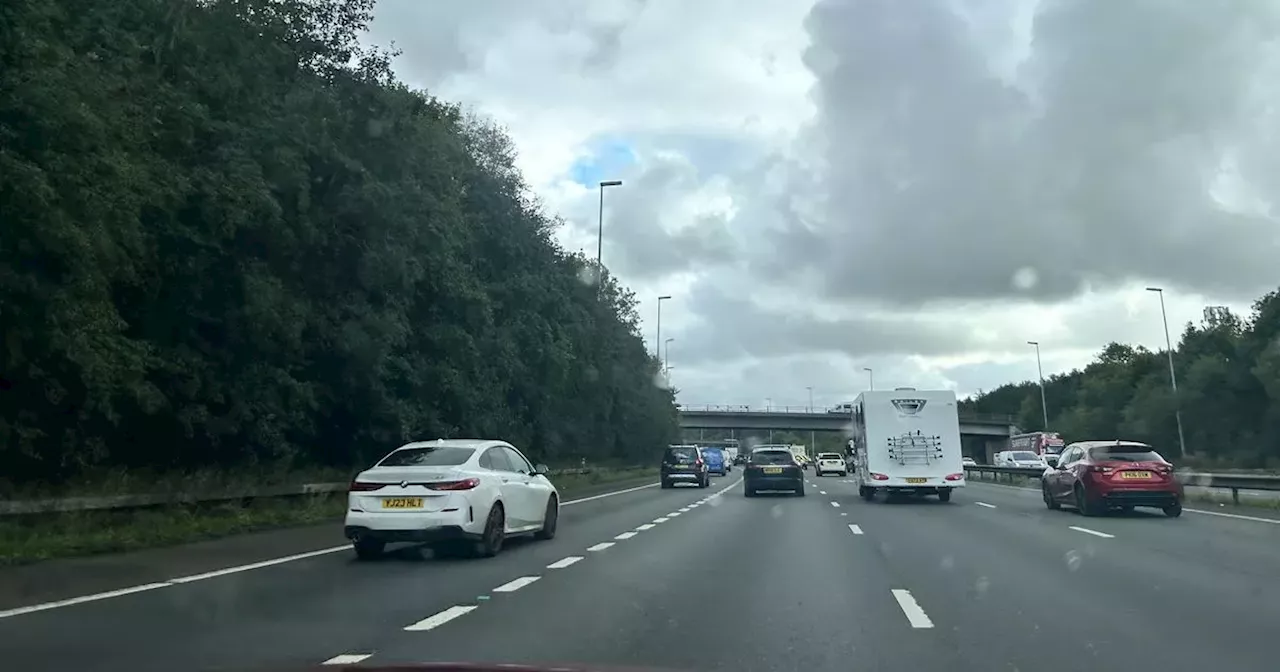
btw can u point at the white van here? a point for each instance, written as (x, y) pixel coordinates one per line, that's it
(907, 441)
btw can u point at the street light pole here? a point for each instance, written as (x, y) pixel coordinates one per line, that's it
(1173, 377)
(666, 354)
(658, 339)
(871, 378)
(600, 233)
(1044, 406)
(810, 388)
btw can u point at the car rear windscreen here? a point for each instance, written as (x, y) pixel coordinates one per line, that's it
(772, 457)
(828, 456)
(681, 455)
(1125, 454)
(428, 456)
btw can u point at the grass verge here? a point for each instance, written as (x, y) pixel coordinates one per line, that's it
(27, 539)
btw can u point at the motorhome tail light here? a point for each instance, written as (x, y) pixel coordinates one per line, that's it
(464, 484)
(955, 477)
(879, 477)
(361, 486)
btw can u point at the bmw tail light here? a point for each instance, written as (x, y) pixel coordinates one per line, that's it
(955, 477)
(879, 477)
(464, 484)
(361, 486)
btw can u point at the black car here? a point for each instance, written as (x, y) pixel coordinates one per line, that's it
(684, 464)
(773, 469)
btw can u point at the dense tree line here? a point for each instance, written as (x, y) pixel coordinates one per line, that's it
(229, 236)
(1228, 372)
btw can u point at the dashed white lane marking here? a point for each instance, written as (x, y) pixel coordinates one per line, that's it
(673, 514)
(915, 615)
(822, 492)
(660, 520)
(843, 514)
(564, 562)
(984, 504)
(1095, 533)
(516, 584)
(646, 526)
(625, 535)
(600, 546)
(437, 620)
(347, 659)
(835, 504)
(855, 529)
(684, 509)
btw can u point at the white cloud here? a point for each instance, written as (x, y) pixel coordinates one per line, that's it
(915, 187)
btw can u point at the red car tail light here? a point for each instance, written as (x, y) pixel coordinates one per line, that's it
(464, 484)
(1101, 469)
(955, 477)
(879, 477)
(361, 486)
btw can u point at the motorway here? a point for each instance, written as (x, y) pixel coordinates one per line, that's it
(691, 579)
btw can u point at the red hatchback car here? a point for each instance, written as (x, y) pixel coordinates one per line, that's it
(1095, 476)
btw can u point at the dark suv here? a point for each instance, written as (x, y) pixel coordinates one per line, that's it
(773, 469)
(684, 464)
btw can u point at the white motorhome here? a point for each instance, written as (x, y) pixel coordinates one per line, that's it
(907, 441)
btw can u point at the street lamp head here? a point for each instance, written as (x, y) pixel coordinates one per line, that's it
(664, 298)
(611, 183)
(669, 340)
(866, 368)
(1154, 289)
(1035, 343)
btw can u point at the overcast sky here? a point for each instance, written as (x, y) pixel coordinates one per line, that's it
(918, 187)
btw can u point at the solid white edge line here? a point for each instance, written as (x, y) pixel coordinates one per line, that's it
(984, 504)
(1237, 516)
(347, 659)
(1095, 533)
(44, 606)
(564, 562)
(624, 536)
(915, 615)
(855, 529)
(515, 584)
(256, 565)
(439, 619)
(18, 611)
(609, 494)
(600, 546)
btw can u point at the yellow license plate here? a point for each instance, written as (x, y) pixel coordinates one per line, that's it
(773, 470)
(1135, 474)
(917, 480)
(402, 503)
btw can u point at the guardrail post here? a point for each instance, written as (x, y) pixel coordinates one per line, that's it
(1235, 496)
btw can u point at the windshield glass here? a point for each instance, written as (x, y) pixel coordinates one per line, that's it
(1025, 455)
(428, 456)
(772, 457)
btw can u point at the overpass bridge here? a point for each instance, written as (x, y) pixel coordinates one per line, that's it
(984, 433)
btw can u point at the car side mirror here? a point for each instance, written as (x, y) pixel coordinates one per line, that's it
(541, 470)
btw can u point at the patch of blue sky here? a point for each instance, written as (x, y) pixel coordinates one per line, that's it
(606, 159)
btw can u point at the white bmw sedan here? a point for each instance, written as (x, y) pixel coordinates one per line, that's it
(466, 495)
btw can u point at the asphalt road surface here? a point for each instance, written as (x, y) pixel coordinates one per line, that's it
(706, 579)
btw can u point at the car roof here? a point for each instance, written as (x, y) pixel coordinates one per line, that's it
(476, 444)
